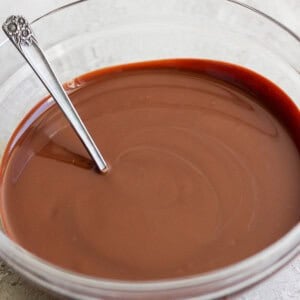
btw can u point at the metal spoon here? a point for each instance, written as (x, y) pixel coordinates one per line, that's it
(19, 32)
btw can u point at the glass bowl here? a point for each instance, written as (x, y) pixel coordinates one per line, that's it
(88, 35)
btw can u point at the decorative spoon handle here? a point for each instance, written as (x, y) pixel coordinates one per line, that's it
(20, 34)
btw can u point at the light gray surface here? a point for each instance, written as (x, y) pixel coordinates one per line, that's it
(285, 284)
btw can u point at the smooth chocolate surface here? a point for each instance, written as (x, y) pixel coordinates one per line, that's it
(205, 172)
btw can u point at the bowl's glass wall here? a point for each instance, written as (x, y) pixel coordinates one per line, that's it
(98, 33)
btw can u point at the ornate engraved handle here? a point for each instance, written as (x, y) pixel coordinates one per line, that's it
(18, 29)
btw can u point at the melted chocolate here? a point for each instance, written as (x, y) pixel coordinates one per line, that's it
(205, 172)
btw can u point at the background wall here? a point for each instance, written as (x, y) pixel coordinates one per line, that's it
(284, 285)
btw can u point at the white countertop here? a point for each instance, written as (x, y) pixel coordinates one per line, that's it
(285, 285)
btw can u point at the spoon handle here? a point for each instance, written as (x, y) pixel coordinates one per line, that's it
(20, 34)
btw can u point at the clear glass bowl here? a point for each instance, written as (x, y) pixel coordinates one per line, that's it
(88, 35)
